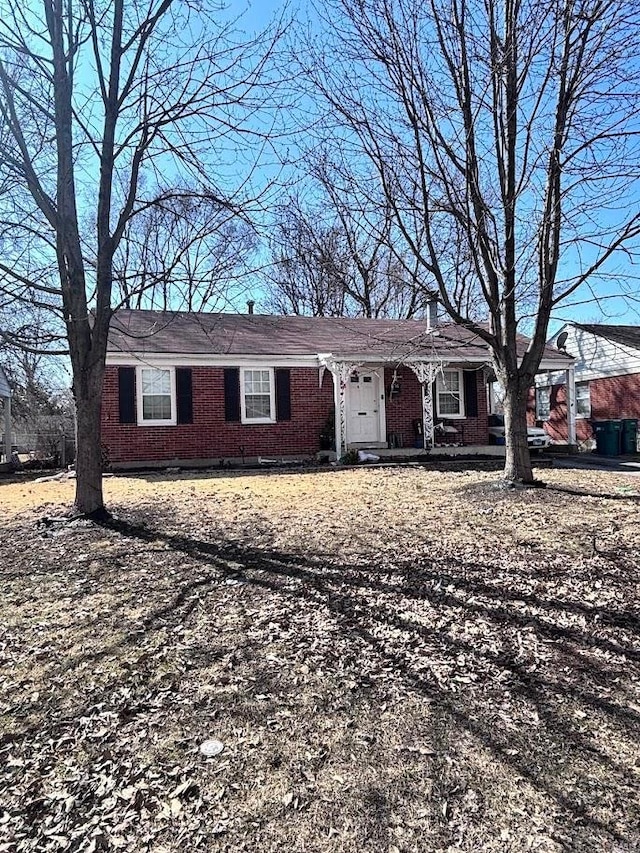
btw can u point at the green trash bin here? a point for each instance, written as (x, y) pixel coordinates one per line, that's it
(629, 436)
(607, 435)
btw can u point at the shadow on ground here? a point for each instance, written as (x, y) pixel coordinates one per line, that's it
(471, 712)
(571, 682)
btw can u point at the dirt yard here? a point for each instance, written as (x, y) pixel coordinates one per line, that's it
(395, 660)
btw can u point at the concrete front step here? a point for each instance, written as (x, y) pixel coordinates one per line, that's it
(411, 452)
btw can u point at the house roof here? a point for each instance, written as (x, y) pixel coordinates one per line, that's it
(155, 332)
(628, 336)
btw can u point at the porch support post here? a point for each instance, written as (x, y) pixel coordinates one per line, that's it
(570, 384)
(340, 420)
(428, 436)
(341, 371)
(425, 373)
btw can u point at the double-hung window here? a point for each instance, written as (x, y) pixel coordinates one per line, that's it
(583, 400)
(156, 396)
(543, 404)
(257, 398)
(449, 394)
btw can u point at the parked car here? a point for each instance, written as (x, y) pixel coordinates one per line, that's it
(537, 438)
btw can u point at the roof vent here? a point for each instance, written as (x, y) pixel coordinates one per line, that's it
(250, 304)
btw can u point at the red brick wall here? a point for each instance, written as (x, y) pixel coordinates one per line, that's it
(556, 426)
(476, 430)
(612, 397)
(407, 407)
(211, 437)
(404, 407)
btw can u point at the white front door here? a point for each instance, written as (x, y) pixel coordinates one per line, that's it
(363, 408)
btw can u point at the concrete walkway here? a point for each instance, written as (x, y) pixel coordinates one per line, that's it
(594, 462)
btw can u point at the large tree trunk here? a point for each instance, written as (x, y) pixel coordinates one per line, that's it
(88, 393)
(517, 467)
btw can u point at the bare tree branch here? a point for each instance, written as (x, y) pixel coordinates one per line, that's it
(109, 112)
(504, 134)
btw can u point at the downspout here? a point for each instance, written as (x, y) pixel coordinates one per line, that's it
(570, 376)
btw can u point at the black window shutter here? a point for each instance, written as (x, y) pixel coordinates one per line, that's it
(184, 395)
(283, 394)
(232, 394)
(127, 395)
(471, 393)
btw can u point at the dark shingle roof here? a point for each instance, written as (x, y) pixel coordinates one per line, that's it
(150, 332)
(628, 336)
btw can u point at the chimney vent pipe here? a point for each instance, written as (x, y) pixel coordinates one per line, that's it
(432, 314)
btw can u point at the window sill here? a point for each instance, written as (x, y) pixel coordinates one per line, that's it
(156, 423)
(257, 421)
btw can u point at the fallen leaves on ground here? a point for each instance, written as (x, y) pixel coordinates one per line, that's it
(392, 660)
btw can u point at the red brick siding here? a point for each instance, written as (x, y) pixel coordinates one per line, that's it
(476, 430)
(211, 437)
(611, 397)
(407, 407)
(531, 408)
(404, 408)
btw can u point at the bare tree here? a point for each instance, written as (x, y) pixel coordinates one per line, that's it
(102, 105)
(188, 251)
(336, 255)
(307, 266)
(28, 330)
(40, 404)
(506, 133)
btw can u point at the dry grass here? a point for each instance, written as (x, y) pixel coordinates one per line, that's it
(395, 660)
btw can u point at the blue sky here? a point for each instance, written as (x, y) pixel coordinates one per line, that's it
(598, 302)
(612, 298)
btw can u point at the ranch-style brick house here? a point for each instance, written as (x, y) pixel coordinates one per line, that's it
(607, 379)
(203, 389)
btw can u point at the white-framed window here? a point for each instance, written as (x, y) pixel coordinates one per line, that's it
(583, 400)
(543, 404)
(257, 395)
(449, 395)
(156, 396)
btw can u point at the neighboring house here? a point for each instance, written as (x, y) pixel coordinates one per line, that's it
(5, 400)
(188, 388)
(607, 379)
